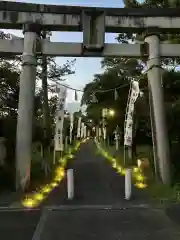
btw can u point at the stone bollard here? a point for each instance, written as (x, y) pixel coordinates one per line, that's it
(70, 184)
(128, 184)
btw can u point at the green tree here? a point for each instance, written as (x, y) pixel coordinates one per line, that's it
(9, 91)
(170, 78)
(116, 73)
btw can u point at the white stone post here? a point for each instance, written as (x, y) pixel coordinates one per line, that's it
(128, 184)
(70, 184)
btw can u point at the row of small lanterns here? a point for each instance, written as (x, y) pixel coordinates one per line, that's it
(138, 177)
(34, 199)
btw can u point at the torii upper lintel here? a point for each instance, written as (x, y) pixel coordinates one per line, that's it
(69, 18)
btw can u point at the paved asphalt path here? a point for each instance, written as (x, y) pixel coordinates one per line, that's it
(18, 224)
(98, 210)
(96, 183)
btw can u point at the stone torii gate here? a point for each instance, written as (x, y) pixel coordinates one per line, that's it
(93, 22)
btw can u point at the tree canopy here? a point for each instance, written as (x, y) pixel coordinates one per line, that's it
(117, 74)
(10, 70)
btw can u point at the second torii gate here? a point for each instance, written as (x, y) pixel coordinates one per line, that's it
(93, 22)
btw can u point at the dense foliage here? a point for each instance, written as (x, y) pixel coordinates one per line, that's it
(116, 74)
(44, 107)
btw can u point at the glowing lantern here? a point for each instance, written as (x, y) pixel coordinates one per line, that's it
(139, 178)
(123, 172)
(135, 170)
(29, 203)
(119, 169)
(140, 185)
(38, 196)
(46, 189)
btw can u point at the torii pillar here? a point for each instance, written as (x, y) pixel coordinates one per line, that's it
(156, 89)
(26, 106)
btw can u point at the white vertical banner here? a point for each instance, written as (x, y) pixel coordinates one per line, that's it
(88, 133)
(100, 133)
(104, 112)
(97, 132)
(62, 94)
(79, 128)
(117, 138)
(104, 133)
(85, 131)
(130, 111)
(71, 126)
(82, 130)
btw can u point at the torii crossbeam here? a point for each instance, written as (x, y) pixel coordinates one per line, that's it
(69, 18)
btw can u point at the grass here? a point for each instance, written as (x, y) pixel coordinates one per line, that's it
(112, 151)
(162, 194)
(143, 151)
(38, 176)
(35, 196)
